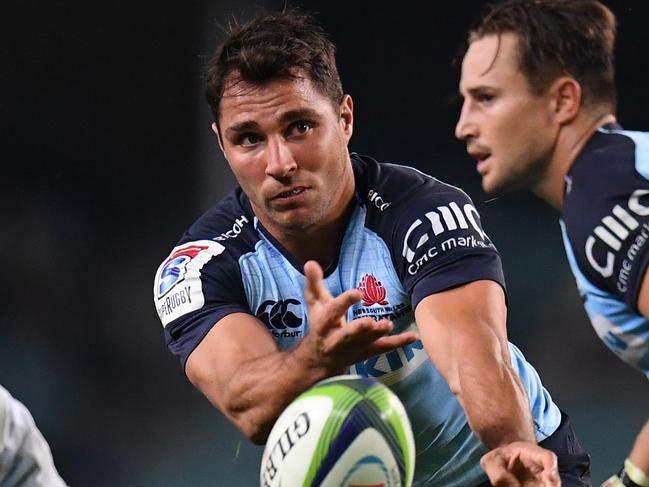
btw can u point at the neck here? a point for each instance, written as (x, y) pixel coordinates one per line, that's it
(571, 140)
(319, 242)
(320, 239)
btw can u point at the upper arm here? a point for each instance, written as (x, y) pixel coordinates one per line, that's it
(464, 323)
(236, 339)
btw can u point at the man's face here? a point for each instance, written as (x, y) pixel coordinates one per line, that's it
(507, 128)
(287, 146)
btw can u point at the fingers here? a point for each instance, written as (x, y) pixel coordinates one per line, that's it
(521, 463)
(390, 342)
(368, 328)
(550, 469)
(339, 305)
(314, 288)
(367, 338)
(495, 464)
(535, 459)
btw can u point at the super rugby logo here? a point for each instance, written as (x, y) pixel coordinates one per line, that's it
(281, 315)
(173, 270)
(184, 266)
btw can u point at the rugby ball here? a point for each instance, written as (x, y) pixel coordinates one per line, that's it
(346, 431)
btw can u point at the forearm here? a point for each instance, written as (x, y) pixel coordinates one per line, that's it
(260, 389)
(640, 453)
(494, 399)
(464, 332)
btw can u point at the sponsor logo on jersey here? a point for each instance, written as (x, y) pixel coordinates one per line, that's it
(377, 199)
(393, 366)
(444, 219)
(178, 288)
(235, 230)
(373, 291)
(606, 240)
(281, 317)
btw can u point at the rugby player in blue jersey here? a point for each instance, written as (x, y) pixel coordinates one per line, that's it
(323, 262)
(539, 113)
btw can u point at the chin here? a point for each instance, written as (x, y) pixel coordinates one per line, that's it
(489, 186)
(294, 223)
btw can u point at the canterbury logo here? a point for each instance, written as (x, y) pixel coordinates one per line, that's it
(373, 291)
(277, 315)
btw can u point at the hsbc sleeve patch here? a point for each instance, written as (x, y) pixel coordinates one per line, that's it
(178, 287)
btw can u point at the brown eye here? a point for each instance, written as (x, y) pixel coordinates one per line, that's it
(300, 128)
(485, 98)
(248, 140)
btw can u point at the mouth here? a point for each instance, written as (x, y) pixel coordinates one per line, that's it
(483, 158)
(290, 194)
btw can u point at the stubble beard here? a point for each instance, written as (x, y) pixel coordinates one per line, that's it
(525, 176)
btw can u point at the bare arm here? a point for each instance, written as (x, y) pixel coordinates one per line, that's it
(639, 454)
(463, 330)
(241, 371)
(464, 333)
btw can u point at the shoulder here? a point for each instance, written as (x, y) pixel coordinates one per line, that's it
(205, 261)
(226, 221)
(606, 210)
(384, 184)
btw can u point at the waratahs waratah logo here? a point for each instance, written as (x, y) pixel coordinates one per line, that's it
(373, 291)
(175, 268)
(277, 315)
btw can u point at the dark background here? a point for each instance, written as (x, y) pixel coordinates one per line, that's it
(107, 157)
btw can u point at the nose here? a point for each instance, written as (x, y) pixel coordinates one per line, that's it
(465, 127)
(280, 162)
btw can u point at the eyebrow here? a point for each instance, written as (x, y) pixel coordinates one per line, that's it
(286, 117)
(475, 90)
(298, 114)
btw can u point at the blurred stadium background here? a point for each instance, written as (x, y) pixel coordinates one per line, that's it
(107, 156)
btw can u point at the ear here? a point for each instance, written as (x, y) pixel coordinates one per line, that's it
(215, 129)
(567, 99)
(347, 116)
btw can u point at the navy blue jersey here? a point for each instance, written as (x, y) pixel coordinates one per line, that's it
(605, 222)
(408, 236)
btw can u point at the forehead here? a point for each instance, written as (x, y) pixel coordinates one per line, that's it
(490, 58)
(247, 101)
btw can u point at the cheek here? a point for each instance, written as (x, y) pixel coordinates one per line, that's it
(248, 173)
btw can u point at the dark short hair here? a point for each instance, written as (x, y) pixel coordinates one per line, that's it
(272, 47)
(556, 38)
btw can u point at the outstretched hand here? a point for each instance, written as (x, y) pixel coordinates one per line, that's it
(336, 342)
(521, 464)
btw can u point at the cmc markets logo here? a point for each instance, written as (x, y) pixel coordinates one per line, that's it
(443, 219)
(607, 239)
(281, 315)
(373, 291)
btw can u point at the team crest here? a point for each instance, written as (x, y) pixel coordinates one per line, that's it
(373, 291)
